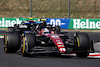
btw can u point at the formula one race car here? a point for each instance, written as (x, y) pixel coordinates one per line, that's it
(38, 37)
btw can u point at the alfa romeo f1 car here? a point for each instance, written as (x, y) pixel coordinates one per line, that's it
(38, 37)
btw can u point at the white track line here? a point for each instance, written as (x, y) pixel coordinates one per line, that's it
(91, 55)
(1, 36)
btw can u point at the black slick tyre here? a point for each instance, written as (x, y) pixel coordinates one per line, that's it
(10, 29)
(83, 44)
(11, 42)
(28, 42)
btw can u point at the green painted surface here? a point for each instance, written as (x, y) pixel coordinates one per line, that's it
(93, 24)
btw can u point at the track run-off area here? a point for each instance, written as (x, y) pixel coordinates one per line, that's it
(15, 60)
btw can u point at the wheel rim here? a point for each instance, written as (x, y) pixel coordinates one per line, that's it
(5, 49)
(23, 45)
(5, 44)
(78, 42)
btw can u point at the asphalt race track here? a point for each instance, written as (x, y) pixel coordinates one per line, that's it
(15, 60)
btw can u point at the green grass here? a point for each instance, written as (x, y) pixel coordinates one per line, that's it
(50, 8)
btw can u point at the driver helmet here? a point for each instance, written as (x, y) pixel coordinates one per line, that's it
(31, 20)
(44, 30)
(49, 26)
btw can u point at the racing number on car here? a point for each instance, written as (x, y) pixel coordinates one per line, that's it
(56, 22)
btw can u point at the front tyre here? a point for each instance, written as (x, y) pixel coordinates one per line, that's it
(82, 44)
(28, 42)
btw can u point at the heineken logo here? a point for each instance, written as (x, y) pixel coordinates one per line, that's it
(9, 23)
(65, 24)
(86, 24)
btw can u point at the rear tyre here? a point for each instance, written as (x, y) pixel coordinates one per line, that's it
(11, 42)
(10, 29)
(83, 44)
(28, 42)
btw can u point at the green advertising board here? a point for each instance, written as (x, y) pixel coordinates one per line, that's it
(84, 24)
(90, 24)
(9, 22)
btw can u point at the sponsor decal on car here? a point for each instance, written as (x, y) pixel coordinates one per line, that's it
(22, 26)
(60, 45)
(62, 49)
(58, 42)
(54, 36)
